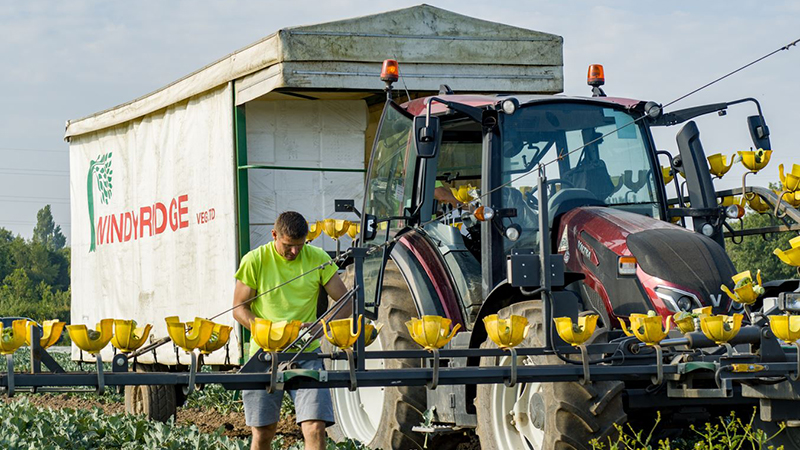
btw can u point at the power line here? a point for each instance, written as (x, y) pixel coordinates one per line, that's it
(11, 149)
(34, 198)
(49, 202)
(35, 172)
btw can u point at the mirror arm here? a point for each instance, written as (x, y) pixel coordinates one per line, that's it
(472, 112)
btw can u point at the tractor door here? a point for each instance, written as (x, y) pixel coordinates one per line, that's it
(388, 193)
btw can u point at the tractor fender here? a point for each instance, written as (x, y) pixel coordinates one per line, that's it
(427, 276)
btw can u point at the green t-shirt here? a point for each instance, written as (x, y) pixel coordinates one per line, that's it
(264, 268)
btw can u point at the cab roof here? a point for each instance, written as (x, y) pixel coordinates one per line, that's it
(417, 106)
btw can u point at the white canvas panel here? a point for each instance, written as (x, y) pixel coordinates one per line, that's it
(301, 133)
(178, 160)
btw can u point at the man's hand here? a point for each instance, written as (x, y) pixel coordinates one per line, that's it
(241, 294)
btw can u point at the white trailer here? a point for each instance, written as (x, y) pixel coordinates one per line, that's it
(170, 189)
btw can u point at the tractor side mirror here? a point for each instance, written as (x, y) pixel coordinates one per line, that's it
(759, 132)
(369, 227)
(426, 132)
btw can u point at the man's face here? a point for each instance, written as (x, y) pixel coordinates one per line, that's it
(287, 247)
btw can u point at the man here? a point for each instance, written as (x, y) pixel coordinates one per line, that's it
(286, 257)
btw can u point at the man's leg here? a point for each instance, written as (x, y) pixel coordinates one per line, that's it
(262, 437)
(261, 413)
(314, 411)
(314, 434)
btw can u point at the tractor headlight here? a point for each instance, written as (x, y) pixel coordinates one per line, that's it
(685, 303)
(513, 232)
(509, 106)
(734, 212)
(677, 300)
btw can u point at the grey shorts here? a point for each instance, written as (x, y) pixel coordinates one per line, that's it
(261, 409)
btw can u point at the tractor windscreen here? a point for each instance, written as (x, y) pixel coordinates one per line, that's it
(614, 170)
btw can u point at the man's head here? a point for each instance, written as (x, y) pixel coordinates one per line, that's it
(290, 234)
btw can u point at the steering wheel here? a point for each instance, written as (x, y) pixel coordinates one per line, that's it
(534, 202)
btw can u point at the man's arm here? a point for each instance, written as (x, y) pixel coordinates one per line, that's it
(241, 294)
(335, 288)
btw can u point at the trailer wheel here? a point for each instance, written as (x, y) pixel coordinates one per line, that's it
(383, 417)
(157, 402)
(544, 416)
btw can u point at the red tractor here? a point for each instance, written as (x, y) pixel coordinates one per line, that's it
(464, 190)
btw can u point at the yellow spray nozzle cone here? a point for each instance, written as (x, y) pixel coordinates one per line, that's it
(746, 291)
(354, 230)
(190, 335)
(791, 180)
(431, 331)
(729, 200)
(462, 193)
(13, 337)
(718, 166)
(506, 333)
(785, 328)
(92, 341)
(667, 174)
(721, 329)
(128, 337)
(647, 328)
(576, 333)
(314, 230)
(685, 322)
(274, 336)
(371, 332)
(51, 332)
(220, 334)
(335, 228)
(791, 256)
(758, 205)
(755, 160)
(340, 332)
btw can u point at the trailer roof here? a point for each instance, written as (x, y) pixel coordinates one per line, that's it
(434, 46)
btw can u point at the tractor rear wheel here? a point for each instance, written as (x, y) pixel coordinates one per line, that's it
(544, 416)
(156, 402)
(382, 417)
(789, 438)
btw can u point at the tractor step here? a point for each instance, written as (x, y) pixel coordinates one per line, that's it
(436, 429)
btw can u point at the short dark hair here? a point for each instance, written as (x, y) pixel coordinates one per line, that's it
(291, 224)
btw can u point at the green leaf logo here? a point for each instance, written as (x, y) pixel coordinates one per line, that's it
(99, 170)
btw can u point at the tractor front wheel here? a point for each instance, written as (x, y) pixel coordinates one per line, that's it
(382, 417)
(544, 416)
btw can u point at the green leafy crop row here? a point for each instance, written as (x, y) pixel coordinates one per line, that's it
(25, 426)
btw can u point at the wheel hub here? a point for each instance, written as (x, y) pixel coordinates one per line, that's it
(536, 410)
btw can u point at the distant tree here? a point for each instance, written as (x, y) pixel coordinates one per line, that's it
(47, 232)
(34, 274)
(755, 252)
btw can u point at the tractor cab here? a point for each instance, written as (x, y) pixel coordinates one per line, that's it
(462, 172)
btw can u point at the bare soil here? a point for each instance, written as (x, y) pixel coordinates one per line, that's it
(207, 420)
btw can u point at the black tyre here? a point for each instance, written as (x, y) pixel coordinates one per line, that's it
(157, 402)
(383, 417)
(789, 438)
(546, 416)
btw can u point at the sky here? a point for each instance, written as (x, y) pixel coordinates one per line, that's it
(67, 60)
